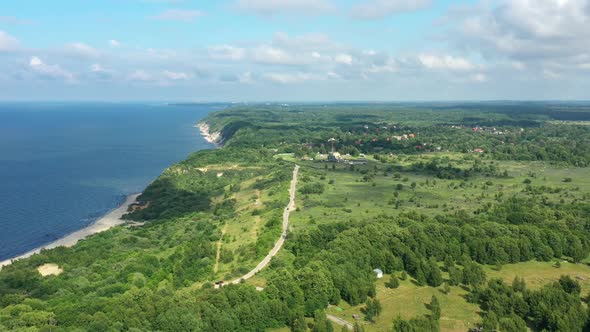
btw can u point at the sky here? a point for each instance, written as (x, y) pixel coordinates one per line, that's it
(294, 50)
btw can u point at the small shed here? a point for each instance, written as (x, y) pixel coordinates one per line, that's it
(379, 273)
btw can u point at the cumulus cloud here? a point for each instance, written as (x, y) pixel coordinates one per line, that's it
(7, 42)
(376, 9)
(97, 71)
(183, 15)
(524, 30)
(176, 76)
(45, 71)
(114, 43)
(285, 7)
(445, 62)
(273, 55)
(291, 78)
(226, 52)
(344, 59)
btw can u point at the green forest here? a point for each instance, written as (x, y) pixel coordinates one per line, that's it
(477, 215)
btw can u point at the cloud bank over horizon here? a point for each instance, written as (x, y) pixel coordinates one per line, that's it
(298, 50)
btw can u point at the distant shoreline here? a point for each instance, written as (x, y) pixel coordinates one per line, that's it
(109, 220)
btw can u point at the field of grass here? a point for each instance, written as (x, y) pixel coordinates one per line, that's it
(409, 301)
(538, 274)
(349, 196)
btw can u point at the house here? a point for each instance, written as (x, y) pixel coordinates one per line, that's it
(379, 273)
(478, 150)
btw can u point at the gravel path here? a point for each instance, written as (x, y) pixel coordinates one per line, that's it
(290, 207)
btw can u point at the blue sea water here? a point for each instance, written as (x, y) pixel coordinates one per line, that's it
(63, 165)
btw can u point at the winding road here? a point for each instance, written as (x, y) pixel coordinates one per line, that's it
(340, 321)
(290, 207)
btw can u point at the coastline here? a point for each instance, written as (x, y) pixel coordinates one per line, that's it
(113, 217)
(213, 138)
(109, 220)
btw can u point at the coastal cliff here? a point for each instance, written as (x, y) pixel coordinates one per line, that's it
(211, 137)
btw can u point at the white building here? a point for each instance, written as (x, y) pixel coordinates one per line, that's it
(379, 273)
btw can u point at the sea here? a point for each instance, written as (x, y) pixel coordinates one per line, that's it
(64, 165)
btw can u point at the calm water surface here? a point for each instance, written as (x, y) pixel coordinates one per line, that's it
(63, 165)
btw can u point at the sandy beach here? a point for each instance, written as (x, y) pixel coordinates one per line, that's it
(109, 220)
(213, 138)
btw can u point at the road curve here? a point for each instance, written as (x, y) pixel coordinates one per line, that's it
(290, 207)
(340, 321)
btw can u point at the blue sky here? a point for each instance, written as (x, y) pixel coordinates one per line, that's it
(296, 50)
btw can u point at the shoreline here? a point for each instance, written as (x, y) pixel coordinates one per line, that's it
(213, 138)
(109, 220)
(112, 218)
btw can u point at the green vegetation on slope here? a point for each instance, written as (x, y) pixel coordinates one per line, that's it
(454, 201)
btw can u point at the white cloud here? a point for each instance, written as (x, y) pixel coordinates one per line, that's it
(376, 9)
(97, 71)
(292, 78)
(288, 7)
(550, 74)
(524, 30)
(183, 15)
(83, 50)
(227, 52)
(114, 43)
(45, 71)
(479, 77)
(344, 59)
(176, 76)
(446, 62)
(273, 55)
(7, 42)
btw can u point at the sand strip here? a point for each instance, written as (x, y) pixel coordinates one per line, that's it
(109, 220)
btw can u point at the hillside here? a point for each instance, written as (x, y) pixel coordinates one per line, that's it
(478, 215)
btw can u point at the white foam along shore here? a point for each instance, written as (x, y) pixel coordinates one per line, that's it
(213, 138)
(111, 219)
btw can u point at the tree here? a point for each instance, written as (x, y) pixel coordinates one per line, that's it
(448, 262)
(435, 307)
(404, 275)
(490, 322)
(446, 288)
(513, 323)
(420, 276)
(518, 284)
(392, 283)
(321, 322)
(570, 285)
(455, 276)
(473, 274)
(433, 275)
(372, 309)
(298, 324)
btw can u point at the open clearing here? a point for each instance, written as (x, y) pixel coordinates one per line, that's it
(49, 269)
